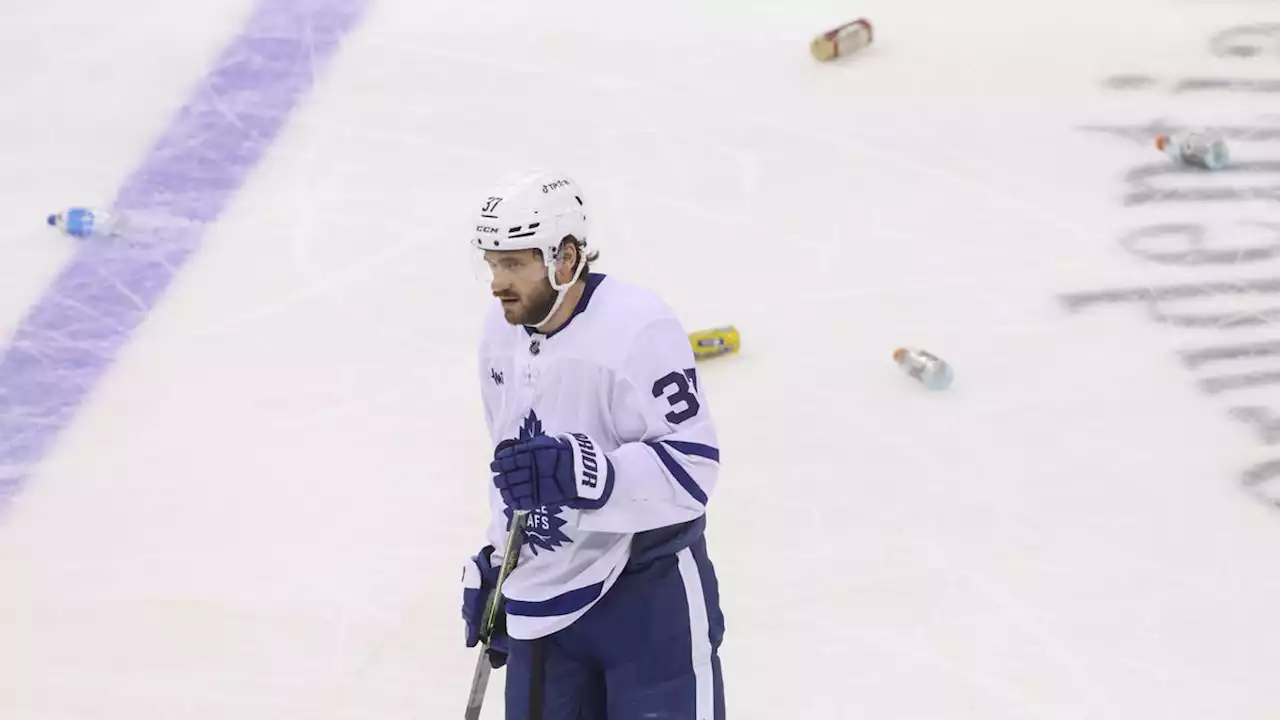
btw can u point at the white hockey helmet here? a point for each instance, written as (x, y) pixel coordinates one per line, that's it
(534, 211)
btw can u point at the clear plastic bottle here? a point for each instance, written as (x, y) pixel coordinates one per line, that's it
(844, 40)
(930, 370)
(83, 222)
(1195, 148)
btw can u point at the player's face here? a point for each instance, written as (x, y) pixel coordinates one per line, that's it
(520, 282)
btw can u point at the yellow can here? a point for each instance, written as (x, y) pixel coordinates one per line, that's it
(714, 342)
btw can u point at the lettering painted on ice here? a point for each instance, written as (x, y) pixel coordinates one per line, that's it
(1231, 296)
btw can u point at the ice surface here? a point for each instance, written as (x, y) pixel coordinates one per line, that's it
(257, 505)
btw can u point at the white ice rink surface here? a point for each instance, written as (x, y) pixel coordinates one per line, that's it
(262, 509)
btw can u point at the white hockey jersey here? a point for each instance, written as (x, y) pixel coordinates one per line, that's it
(621, 371)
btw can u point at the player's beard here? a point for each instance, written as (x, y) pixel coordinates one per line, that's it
(534, 309)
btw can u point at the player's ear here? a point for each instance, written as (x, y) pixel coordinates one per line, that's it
(568, 260)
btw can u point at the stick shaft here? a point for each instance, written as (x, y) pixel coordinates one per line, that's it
(510, 555)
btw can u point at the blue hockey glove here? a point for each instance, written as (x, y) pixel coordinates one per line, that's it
(551, 471)
(478, 580)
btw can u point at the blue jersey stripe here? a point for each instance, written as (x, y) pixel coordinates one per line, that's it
(693, 448)
(678, 472)
(564, 604)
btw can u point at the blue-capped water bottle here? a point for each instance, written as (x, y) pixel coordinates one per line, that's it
(83, 222)
(1195, 148)
(929, 369)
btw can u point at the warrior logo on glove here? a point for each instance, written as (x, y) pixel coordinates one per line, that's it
(542, 527)
(590, 466)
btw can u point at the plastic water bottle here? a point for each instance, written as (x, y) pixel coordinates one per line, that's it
(929, 369)
(847, 39)
(1195, 148)
(82, 222)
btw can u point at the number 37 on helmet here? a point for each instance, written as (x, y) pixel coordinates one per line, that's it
(531, 211)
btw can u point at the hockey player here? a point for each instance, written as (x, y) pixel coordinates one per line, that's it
(589, 386)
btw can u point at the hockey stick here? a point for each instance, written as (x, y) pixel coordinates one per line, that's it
(480, 680)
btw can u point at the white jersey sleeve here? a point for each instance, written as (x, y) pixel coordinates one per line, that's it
(667, 460)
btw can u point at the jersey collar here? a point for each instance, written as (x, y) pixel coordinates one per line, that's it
(593, 282)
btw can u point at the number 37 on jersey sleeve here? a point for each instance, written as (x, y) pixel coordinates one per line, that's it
(680, 389)
(666, 475)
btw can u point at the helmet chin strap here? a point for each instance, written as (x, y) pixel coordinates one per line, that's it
(561, 290)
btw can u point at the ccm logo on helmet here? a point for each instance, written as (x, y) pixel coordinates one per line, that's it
(486, 229)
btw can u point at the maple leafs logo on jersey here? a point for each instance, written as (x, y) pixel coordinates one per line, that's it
(530, 428)
(542, 528)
